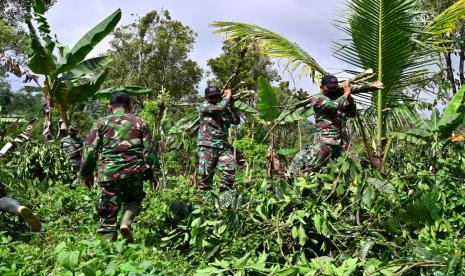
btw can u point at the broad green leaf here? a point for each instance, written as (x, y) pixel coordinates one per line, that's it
(456, 104)
(245, 107)
(83, 89)
(69, 259)
(41, 60)
(89, 271)
(131, 268)
(380, 185)
(408, 138)
(242, 261)
(366, 247)
(128, 89)
(38, 6)
(268, 101)
(449, 123)
(367, 197)
(302, 235)
(291, 271)
(88, 66)
(87, 43)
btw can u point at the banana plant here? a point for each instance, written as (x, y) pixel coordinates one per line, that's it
(70, 78)
(436, 132)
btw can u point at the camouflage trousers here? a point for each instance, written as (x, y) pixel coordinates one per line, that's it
(219, 158)
(313, 158)
(112, 195)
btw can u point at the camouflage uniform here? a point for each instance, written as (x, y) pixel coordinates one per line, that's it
(213, 148)
(71, 147)
(122, 144)
(330, 116)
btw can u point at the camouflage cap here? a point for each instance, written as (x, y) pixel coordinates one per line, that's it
(73, 127)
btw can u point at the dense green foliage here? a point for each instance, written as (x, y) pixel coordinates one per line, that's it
(402, 215)
(352, 218)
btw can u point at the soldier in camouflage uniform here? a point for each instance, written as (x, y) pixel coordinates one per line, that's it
(10, 205)
(122, 144)
(330, 114)
(71, 146)
(217, 114)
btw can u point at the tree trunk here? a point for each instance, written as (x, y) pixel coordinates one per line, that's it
(450, 72)
(461, 66)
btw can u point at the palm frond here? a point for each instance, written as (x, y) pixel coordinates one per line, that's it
(382, 35)
(272, 44)
(448, 20)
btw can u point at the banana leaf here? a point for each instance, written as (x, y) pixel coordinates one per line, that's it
(268, 101)
(87, 43)
(87, 66)
(128, 89)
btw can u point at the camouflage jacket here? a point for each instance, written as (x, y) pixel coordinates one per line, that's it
(122, 145)
(330, 117)
(72, 147)
(215, 120)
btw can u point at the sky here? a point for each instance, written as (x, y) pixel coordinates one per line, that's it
(306, 22)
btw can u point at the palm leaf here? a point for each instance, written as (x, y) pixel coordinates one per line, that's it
(379, 31)
(448, 20)
(272, 44)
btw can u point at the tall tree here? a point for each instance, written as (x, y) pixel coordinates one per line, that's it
(15, 12)
(251, 62)
(154, 52)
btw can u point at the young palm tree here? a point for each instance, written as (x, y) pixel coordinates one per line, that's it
(385, 35)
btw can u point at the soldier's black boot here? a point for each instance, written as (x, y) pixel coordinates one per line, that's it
(131, 209)
(11, 206)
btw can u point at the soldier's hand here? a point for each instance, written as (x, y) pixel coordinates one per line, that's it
(227, 93)
(347, 88)
(155, 183)
(88, 181)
